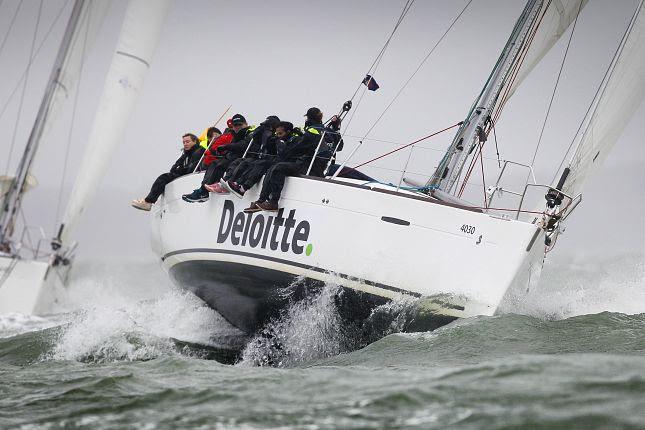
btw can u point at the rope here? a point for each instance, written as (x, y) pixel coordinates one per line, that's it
(71, 125)
(409, 144)
(24, 87)
(555, 87)
(12, 22)
(15, 88)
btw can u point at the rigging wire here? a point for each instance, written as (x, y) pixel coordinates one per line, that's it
(555, 87)
(12, 22)
(497, 111)
(454, 21)
(40, 46)
(598, 90)
(24, 87)
(377, 61)
(404, 86)
(71, 125)
(409, 144)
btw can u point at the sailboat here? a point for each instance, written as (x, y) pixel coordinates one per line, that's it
(32, 274)
(382, 242)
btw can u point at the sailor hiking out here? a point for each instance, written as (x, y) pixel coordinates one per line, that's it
(184, 165)
(242, 135)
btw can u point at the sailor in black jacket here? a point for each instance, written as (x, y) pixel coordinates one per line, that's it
(185, 164)
(298, 155)
(272, 151)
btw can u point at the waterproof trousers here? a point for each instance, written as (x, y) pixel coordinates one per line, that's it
(159, 185)
(215, 171)
(274, 180)
(249, 172)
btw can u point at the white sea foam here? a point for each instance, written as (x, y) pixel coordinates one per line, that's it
(584, 284)
(15, 323)
(313, 328)
(139, 330)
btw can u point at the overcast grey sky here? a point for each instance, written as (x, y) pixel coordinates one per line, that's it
(281, 57)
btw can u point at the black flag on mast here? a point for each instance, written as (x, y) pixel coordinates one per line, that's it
(370, 82)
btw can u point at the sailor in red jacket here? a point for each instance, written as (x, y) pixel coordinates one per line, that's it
(211, 154)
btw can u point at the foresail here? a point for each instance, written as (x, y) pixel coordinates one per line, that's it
(559, 14)
(130, 63)
(619, 98)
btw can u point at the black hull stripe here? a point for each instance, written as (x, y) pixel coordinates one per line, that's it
(289, 263)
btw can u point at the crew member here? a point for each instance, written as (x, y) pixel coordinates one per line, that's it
(242, 135)
(184, 165)
(299, 155)
(250, 172)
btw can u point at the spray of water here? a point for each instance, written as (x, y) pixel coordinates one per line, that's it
(584, 284)
(139, 330)
(312, 328)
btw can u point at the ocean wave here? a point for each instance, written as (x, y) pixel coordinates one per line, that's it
(583, 284)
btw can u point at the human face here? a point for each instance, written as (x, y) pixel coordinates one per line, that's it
(280, 132)
(238, 126)
(188, 143)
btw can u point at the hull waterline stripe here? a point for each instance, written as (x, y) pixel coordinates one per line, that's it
(289, 263)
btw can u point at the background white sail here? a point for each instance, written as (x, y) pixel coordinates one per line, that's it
(620, 97)
(139, 34)
(557, 18)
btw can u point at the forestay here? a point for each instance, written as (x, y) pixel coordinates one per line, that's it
(139, 34)
(618, 99)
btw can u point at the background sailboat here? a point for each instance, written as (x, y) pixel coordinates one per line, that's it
(29, 282)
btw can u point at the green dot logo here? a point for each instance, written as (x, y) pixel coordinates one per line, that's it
(310, 248)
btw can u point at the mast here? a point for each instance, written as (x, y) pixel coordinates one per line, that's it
(475, 128)
(13, 199)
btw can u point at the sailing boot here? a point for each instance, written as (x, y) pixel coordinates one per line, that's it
(268, 206)
(253, 208)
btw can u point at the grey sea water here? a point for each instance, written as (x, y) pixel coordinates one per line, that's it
(570, 354)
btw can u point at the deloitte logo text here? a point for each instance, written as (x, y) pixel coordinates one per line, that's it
(257, 230)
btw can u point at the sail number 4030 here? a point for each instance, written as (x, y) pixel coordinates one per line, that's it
(468, 229)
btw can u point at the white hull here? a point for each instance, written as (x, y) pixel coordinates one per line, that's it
(387, 244)
(28, 287)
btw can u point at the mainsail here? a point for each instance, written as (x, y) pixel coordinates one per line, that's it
(620, 96)
(139, 34)
(558, 15)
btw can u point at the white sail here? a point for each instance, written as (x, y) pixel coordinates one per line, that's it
(139, 34)
(92, 15)
(619, 98)
(557, 18)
